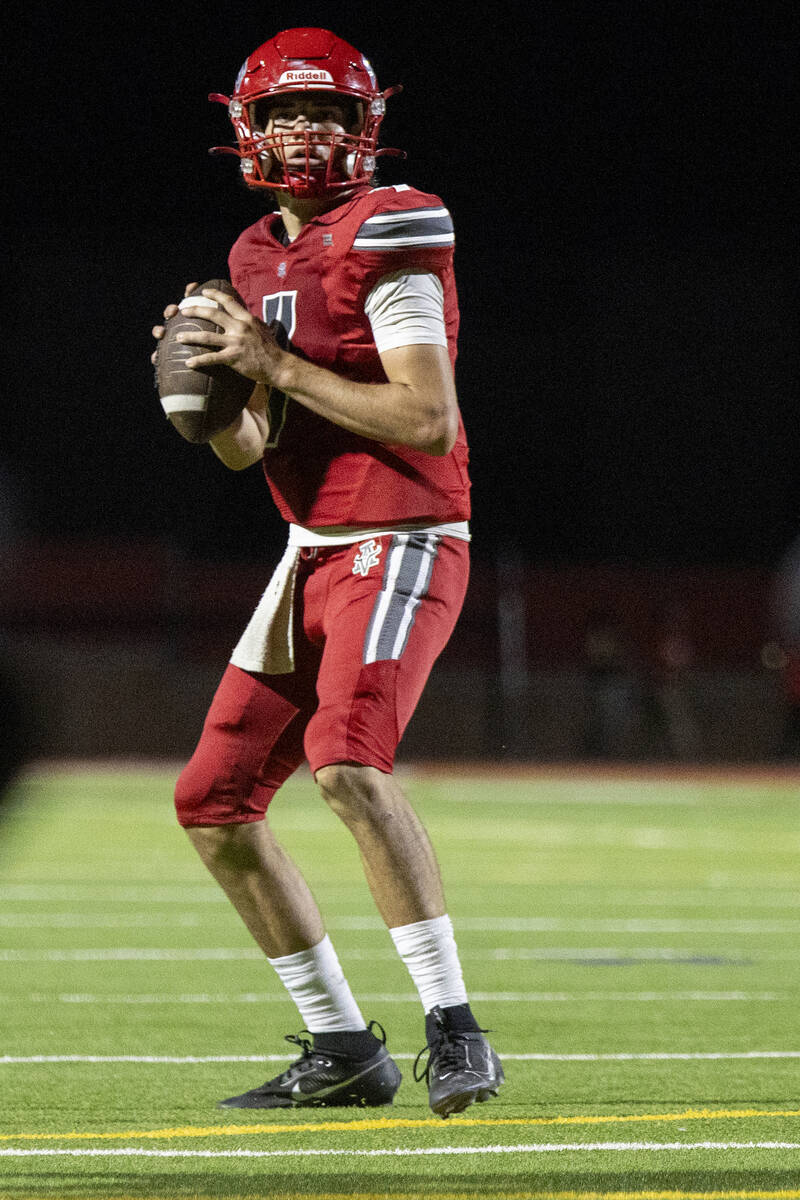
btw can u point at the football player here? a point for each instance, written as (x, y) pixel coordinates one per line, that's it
(348, 332)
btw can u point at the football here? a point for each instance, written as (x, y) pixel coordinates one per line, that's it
(199, 401)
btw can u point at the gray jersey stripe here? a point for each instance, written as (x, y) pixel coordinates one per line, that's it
(397, 229)
(409, 566)
(407, 214)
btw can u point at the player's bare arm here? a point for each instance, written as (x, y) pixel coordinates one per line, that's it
(243, 442)
(416, 407)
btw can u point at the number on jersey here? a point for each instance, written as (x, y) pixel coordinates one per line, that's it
(280, 313)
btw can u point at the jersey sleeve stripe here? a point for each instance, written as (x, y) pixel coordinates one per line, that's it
(381, 243)
(415, 227)
(407, 214)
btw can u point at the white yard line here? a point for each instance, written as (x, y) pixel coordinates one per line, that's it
(595, 925)
(683, 954)
(134, 954)
(533, 924)
(190, 1060)
(734, 893)
(686, 899)
(117, 893)
(492, 954)
(593, 997)
(657, 797)
(499, 953)
(71, 919)
(79, 920)
(691, 955)
(404, 1151)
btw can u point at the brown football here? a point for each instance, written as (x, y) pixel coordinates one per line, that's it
(199, 401)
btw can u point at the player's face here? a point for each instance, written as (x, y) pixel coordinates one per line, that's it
(320, 110)
(306, 126)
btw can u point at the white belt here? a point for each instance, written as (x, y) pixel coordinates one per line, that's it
(343, 535)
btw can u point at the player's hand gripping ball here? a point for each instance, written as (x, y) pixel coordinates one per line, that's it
(199, 401)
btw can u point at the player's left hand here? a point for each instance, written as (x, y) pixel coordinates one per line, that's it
(245, 343)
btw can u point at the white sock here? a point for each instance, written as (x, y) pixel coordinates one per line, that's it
(315, 981)
(428, 949)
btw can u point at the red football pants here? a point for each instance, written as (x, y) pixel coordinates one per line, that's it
(369, 621)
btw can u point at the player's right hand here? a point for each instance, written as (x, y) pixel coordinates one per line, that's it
(169, 311)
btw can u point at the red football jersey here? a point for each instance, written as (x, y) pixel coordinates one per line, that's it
(315, 288)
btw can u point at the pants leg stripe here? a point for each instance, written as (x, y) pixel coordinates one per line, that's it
(392, 566)
(420, 588)
(406, 579)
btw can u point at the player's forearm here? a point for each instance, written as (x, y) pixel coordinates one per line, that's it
(242, 443)
(393, 412)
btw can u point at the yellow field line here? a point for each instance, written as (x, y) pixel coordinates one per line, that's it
(428, 1195)
(381, 1123)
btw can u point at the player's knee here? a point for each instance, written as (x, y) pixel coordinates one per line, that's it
(202, 798)
(192, 796)
(352, 791)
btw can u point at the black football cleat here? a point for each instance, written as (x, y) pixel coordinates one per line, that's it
(325, 1079)
(462, 1067)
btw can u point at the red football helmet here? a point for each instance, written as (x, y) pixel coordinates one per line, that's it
(312, 161)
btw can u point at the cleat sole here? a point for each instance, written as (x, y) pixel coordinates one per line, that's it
(459, 1101)
(462, 1100)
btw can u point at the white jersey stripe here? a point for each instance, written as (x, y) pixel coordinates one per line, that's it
(397, 243)
(434, 216)
(400, 218)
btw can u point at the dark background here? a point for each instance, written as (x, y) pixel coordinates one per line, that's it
(621, 176)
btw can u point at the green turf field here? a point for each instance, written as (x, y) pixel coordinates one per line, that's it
(631, 941)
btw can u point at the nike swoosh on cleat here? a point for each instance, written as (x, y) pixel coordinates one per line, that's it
(334, 1087)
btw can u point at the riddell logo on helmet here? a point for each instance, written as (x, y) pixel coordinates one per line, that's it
(306, 76)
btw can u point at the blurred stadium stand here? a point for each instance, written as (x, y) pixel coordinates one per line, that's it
(124, 644)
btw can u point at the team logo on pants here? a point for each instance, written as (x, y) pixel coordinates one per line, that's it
(368, 555)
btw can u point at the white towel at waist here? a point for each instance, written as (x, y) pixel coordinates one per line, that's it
(267, 644)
